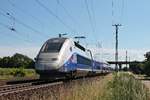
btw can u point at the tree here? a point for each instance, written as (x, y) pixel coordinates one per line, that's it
(147, 55)
(142, 68)
(17, 61)
(20, 60)
(5, 62)
(137, 68)
(0, 62)
(147, 64)
(147, 68)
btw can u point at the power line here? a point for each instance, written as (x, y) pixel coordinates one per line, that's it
(117, 7)
(90, 17)
(126, 57)
(15, 31)
(54, 15)
(92, 9)
(24, 11)
(23, 24)
(112, 11)
(67, 12)
(122, 10)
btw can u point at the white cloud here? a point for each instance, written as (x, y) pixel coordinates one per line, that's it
(108, 54)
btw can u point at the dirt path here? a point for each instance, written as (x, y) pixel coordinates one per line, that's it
(147, 83)
(144, 80)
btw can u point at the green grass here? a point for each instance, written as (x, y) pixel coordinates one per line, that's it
(124, 86)
(119, 86)
(116, 86)
(7, 73)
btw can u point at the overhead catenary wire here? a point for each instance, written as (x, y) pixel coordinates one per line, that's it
(23, 24)
(11, 18)
(117, 11)
(54, 15)
(8, 27)
(90, 20)
(122, 11)
(112, 4)
(89, 15)
(15, 31)
(93, 12)
(67, 13)
(25, 12)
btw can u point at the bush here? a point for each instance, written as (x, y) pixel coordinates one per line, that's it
(17, 72)
(147, 68)
(16, 61)
(125, 87)
(137, 68)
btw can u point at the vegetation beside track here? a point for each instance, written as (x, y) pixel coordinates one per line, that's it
(141, 68)
(16, 61)
(119, 86)
(116, 86)
(124, 86)
(8, 73)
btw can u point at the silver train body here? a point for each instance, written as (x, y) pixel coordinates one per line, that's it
(63, 57)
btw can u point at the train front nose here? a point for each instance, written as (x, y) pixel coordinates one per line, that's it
(47, 62)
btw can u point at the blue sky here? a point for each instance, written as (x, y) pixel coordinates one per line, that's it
(71, 16)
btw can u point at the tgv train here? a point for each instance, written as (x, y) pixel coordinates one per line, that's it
(63, 57)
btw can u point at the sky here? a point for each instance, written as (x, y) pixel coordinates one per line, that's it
(35, 21)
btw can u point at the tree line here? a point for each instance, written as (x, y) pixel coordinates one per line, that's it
(16, 61)
(141, 68)
(22, 61)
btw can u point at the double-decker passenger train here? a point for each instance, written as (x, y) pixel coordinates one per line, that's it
(63, 57)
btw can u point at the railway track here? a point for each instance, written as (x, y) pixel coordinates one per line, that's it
(25, 87)
(15, 87)
(8, 88)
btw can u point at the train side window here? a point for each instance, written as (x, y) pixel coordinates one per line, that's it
(83, 60)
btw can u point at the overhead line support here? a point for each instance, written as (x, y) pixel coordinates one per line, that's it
(116, 46)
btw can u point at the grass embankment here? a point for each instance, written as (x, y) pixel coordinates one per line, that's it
(88, 90)
(8, 73)
(121, 86)
(117, 86)
(124, 86)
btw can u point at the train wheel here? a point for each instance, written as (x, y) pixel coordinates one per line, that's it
(71, 75)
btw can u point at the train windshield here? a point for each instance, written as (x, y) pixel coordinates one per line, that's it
(53, 46)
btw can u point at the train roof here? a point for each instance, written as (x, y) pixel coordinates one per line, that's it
(62, 39)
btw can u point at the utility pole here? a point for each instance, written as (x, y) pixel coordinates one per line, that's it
(126, 57)
(116, 46)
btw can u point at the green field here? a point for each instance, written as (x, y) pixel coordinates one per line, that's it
(8, 73)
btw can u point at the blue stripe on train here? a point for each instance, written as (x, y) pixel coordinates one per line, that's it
(72, 66)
